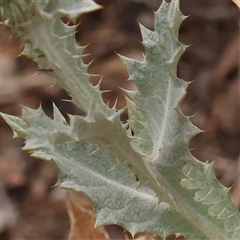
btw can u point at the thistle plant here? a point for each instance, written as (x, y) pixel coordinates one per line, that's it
(139, 174)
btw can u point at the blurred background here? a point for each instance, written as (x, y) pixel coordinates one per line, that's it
(31, 208)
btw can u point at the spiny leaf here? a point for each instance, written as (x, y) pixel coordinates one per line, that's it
(22, 10)
(157, 101)
(18, 126)
(51, 43)
(140, 175)
(71, 9)
(114, 190)
(159, 90)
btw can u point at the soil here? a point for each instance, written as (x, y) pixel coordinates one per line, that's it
(31, 208)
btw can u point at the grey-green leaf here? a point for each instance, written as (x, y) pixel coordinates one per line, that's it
(140, 175)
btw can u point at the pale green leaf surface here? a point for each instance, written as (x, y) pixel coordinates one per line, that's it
(158, 99)
(114, 190)
(102, 157)
(42, 132)
(95, 171)
(117, 196)
(71, 8)
(51, 43)
(159, 90)
(18, 125)
(58, 51)
(48, 9)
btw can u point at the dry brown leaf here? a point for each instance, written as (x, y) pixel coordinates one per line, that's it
(146, 237)
(237, 2)
(82, 220)
(141, 236)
